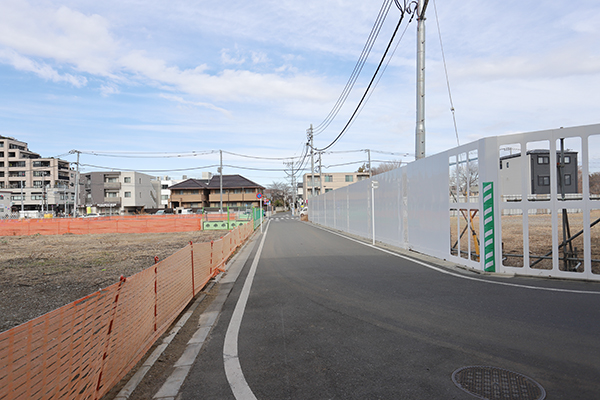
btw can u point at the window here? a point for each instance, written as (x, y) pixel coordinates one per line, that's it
(248, 190)
(37, 196)
(110, 194)
(162, 197)
(41, 173)
(16, 164)
(38, 184)
(11, 154)
(1, 154)
(543, 160)
(543, 180)
(195, 192)
(17, 198)
(1, 144)
(567, 159)
(349, 178)
(567, 179)
(328, 178)
(127, 179)
(111, 179)
(161, 186)
(181, 192)
(237, 191)
(328, 190)
(127, 194)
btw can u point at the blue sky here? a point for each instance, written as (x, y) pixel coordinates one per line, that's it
(250, 77)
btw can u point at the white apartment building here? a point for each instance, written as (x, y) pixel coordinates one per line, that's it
(116, 192)
(35, 183)
(314, 185)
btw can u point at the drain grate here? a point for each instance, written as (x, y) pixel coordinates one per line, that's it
(492, 383)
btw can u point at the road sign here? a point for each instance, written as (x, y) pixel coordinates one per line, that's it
(258, 195)
(374, 184)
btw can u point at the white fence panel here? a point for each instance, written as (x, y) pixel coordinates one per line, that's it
(495, 204)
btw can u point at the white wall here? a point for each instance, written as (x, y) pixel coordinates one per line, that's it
(414, 208)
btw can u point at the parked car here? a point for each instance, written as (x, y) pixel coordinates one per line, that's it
(91, 215)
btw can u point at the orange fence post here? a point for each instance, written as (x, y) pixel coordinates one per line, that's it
(193, 285)
(108, 333)
(155, 291)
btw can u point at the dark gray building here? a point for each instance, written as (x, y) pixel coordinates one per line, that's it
(537, 166)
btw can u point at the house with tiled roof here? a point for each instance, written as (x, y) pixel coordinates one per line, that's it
(237, 192)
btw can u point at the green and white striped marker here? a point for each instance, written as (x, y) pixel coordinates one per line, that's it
(488, 227)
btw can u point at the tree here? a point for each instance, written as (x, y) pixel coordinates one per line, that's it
(281, 193)
(386, 166)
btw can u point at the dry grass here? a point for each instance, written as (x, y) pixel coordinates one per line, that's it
(540, 239)
(41, 273)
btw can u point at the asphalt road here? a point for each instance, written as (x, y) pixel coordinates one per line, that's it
(332, 318)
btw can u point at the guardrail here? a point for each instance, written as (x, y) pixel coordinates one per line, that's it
(81, 350)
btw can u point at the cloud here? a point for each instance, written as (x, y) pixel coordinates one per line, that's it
(44, 71)
(178, 99)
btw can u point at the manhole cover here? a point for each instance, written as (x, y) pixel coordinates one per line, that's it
(496, 383)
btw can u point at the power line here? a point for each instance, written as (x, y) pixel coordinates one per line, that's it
(385, 7)
(446, 72)
(356, 110)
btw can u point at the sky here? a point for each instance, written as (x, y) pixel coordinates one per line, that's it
(161, 87)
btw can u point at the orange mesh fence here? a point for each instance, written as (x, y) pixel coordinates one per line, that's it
(124, 224)
(81, 350)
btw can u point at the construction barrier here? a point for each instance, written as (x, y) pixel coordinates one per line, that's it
(84, 226)
(83, 349)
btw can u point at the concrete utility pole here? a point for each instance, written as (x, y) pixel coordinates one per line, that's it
(320, 175)
(312, 162)
(76, 184)
(369, 153)
(420, 129)
(221, 180)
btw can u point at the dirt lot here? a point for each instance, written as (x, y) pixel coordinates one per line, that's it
(540, 239)
(41, 273)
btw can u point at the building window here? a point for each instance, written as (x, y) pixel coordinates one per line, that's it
(162, 186)
(181, 192)
(349, 178)
(328, 190)
(567, 179)
(127, 194)
(328, 178)
(543, 160)
(248, 190)
(127, 179)
(37, 196)
(16, 198)
(12, 154)
(543, 180)
(162, 196)
(38, 184)
(1, 144)
(111, 179)
(567, 159)
(195, 192)
(110, 194)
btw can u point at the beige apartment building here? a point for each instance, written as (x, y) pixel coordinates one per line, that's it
(331, 181)
(35, 183)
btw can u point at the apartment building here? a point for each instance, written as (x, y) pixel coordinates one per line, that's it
(536, 164)
(238, 192)
(331, 181)
(118, 192)
(35, 183)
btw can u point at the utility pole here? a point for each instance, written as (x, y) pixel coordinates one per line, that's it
(312, 162)
(420, 129)
(320, 175)
(221, 180)
(76, 183)
(369, 153)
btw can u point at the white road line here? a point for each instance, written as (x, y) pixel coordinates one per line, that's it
(233, 369)
(443, 271)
